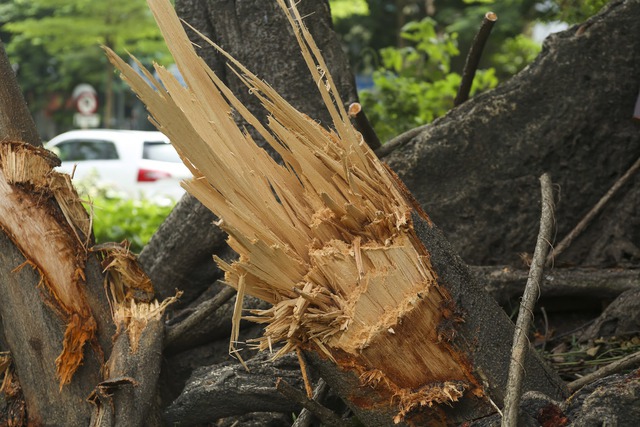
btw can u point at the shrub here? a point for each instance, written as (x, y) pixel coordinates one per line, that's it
(116, 218)
(415, 84)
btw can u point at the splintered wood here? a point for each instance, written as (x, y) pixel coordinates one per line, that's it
(326, 237)
(27, 184)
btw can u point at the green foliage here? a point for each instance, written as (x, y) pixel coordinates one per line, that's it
(515, 54)
(576, 11)
(416, 84)
(56, 43)
(116, 218)
(342, 9)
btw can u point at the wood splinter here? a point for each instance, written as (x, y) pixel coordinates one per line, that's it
(353, 269)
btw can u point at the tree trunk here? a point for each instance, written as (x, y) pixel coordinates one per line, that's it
(569, 113)
(57, 303)
(43, 285)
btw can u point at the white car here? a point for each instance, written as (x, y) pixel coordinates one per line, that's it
(133, 163)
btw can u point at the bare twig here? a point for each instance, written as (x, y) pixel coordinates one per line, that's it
(531, 292)
(203, 311)
(325, 415)
(306, 417)
(473, 58)
(398, 141)
(627, 362)
(546, 327)
(584, 223)
(361, 122)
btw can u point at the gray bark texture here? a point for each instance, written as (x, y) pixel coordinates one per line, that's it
(15, 119)
(222, 391)
(571, 285)
(475, 171)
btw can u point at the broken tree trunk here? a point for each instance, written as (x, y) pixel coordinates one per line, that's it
(59, 310)
(52, 303)
(357, 274)
(256, 34)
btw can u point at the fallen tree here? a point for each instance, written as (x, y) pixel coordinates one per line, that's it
(357, 274)
(448, 268)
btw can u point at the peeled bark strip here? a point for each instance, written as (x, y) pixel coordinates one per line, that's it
(328, 238)
(25, 176)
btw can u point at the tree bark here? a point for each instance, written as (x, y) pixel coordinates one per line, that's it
(573, 286)
(569, 113)
(223, 391)
(15, 120)
(35, 305)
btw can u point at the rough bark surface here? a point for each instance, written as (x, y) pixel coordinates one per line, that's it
(15, 120)
(569, 114)
(219, 392)
(573, 286)
(610, 401)
(34, 334)
(620, 318)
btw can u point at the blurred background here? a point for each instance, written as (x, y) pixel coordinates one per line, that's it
(407, 56)
(397, 49)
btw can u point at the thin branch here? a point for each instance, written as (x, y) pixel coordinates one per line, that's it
(398, 141)
(361, 122)
(626, 362)
(204, 310)
(584, 223)
(473, 58)
(306, 417)
(531, 291)
(325, 415)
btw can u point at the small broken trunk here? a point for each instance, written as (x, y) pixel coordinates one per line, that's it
(356, 273)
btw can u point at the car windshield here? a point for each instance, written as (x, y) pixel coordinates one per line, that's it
(160, 150)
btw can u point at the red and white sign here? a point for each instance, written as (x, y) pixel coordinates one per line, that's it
(87, 103)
